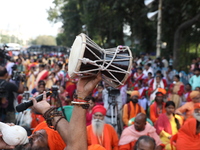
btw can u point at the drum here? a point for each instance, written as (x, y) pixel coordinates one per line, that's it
(87, 59)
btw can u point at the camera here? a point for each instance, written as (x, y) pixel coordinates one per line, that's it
(17, 76)
(54, 88)
(26, 95)
(3, 54)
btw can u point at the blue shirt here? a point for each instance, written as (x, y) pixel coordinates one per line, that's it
(195, 81)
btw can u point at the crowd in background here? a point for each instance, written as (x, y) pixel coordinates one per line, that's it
(162, 96)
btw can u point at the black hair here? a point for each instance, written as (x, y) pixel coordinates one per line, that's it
(41, 82)
(150, 73)
(197, 69)
(149, 64)
(60, 65)
(90, 98)
(3, 71)
(168, 103)
(159, 71)
(139, 68)
(177, 76)
(41, 65)
(146, 139)
(171, 103)
(189, 84)
(170, 67)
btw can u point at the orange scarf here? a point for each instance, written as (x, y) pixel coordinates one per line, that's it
(135, 109)
(104, 140)
(55, 142)
(187, 137)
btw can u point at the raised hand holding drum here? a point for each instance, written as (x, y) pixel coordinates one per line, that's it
(87, 59)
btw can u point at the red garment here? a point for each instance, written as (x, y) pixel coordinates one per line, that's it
(187, 137)
(99, 108)
(154, 111)
(164, 82)
(188, 96)
(88, 118)
(180, 92)
(36, 119)
(142, 91)
(163, 123)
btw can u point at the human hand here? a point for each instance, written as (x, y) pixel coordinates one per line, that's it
(3, 145)
(86, 85)
(41, 106)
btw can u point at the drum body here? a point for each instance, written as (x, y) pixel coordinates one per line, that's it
(87, 59)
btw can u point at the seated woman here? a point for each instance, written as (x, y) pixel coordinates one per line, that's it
(168, 124)
(157, 107)
(188, 137)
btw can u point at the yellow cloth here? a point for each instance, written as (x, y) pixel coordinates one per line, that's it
(164, 135)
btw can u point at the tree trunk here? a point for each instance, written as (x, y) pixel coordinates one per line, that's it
(177, 38)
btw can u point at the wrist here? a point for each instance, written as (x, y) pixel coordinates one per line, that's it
(44, 110)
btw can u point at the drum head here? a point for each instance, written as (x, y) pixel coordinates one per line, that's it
(77, 51)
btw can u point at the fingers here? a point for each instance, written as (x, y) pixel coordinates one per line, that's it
(34, 100)
(44, 96)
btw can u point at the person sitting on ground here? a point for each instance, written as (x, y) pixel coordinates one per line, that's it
(140, 127)
(188, 137)
(177, 90)
(69, 131)
(157, 107)
(188, 108)
(99, 132)
(145, 143)
(168, 124)
(131, 109)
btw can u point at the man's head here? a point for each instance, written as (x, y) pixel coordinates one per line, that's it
(197, 72)
(195, 96)
(188, 87)
(170, 68)
(99, 113)
(196, 112)
(43, 138)
(140, 122)
(3, 72)
(159, 97)
(145, 143)
(147, 66)
(134, 96)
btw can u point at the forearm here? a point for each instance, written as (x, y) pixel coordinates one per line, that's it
(77, 128)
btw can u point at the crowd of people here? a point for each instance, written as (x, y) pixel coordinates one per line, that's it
(152, 110)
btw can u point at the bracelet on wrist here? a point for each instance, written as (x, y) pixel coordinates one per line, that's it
(49, 116)
(80, 102)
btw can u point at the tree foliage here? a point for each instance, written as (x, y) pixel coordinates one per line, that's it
(104, 20)
(44, 40)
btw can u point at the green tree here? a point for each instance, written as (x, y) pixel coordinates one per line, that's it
(44, 40)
